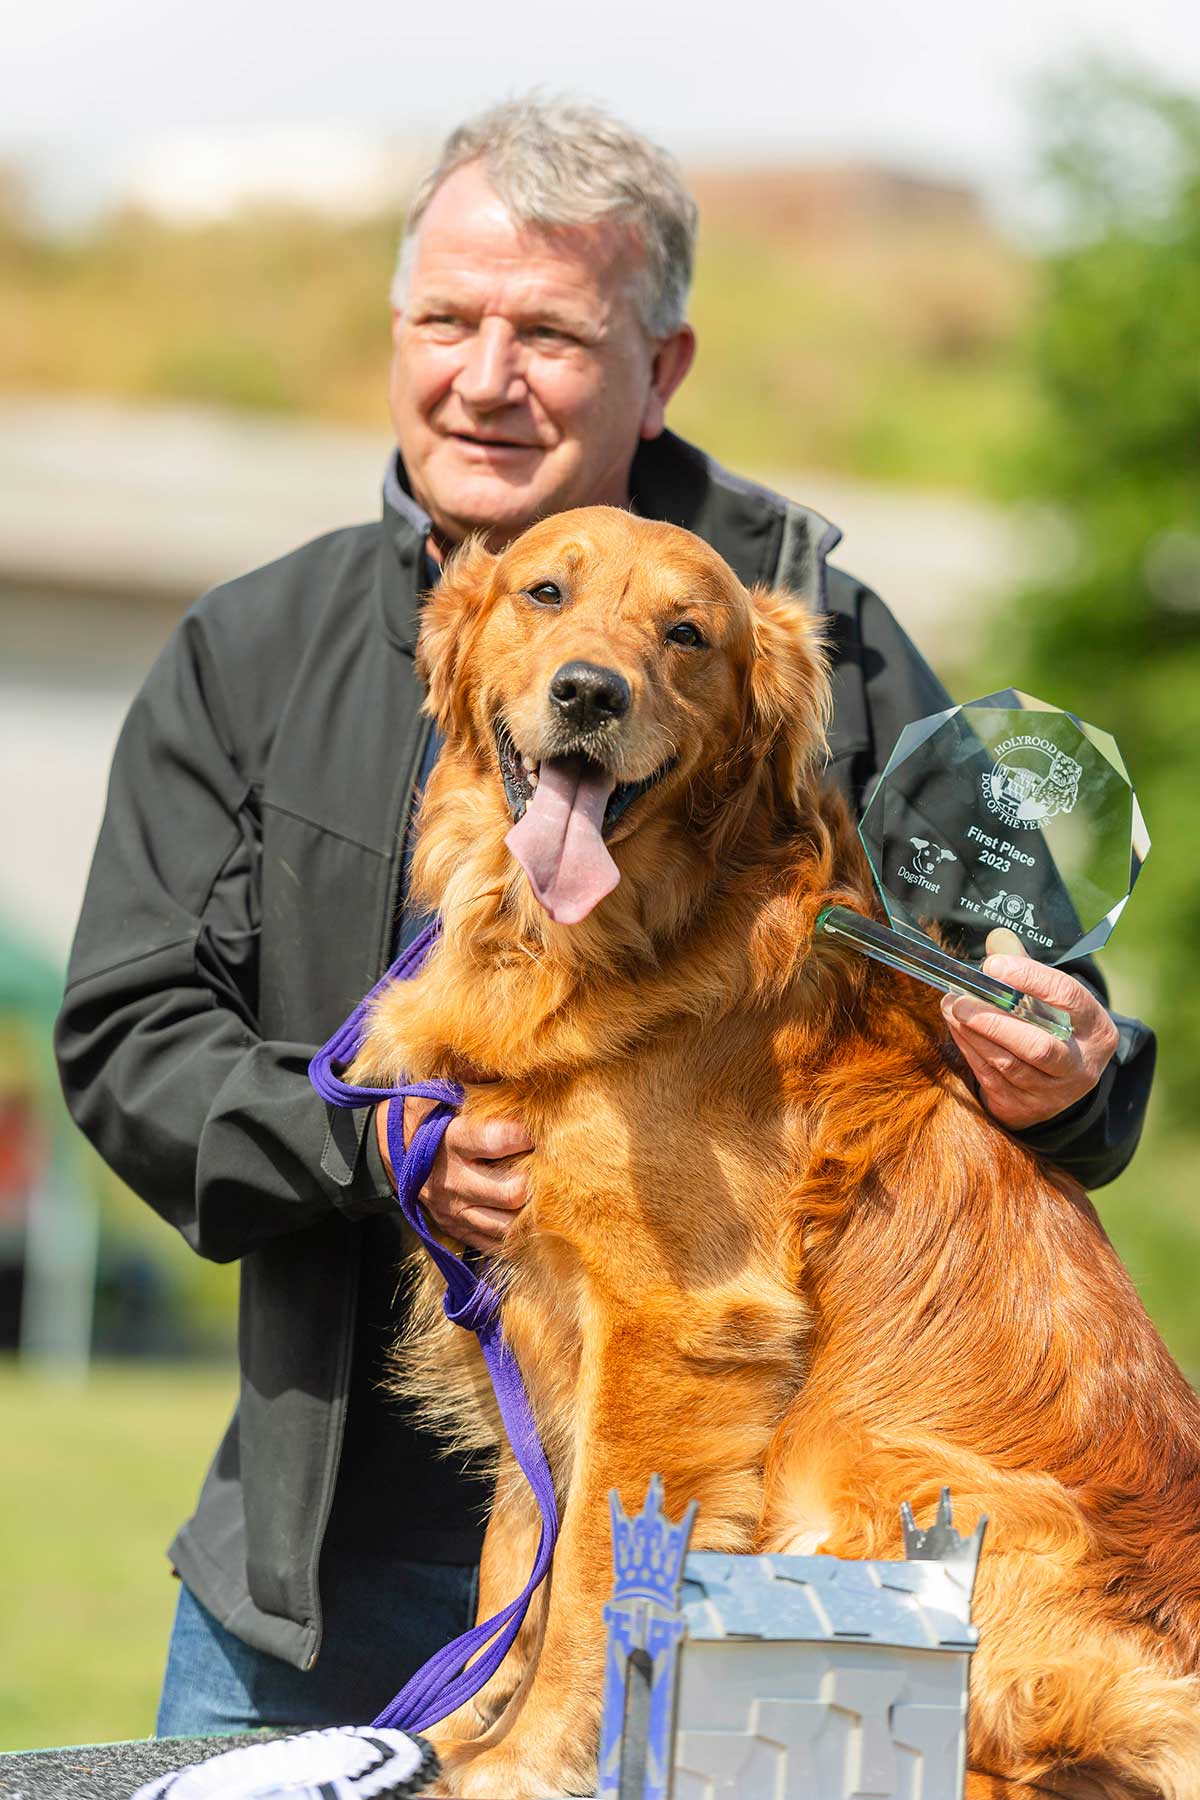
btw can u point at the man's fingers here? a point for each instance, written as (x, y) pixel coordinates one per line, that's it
(415, 1109)
(487, 1139)
(991, 1064)
(481, 1227)
(979, 1066)
(472, 1140)
(477, 1184)
(1013, 1093)
(466, 1201)
(1013, 1038)
(1045, 983)
(381, 1138)
(1026, 1075)
(1095, 1035)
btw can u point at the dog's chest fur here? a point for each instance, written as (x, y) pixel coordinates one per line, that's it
(656, 1195)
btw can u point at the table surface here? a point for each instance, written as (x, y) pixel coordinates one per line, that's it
(108, 1771)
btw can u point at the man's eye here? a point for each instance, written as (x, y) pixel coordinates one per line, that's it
(544, 593)
(685, 634)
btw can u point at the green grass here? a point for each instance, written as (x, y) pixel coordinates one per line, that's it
(96, 1478)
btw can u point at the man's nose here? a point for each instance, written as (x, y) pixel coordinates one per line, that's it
(587, 695)
(490, 375)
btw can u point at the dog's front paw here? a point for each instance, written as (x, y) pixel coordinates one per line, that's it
(506, 1774)
(453, 1754)
(459, 1730)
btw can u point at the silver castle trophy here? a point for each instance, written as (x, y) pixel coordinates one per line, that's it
(1005, 811)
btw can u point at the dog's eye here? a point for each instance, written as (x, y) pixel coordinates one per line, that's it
(544, 593)
(686, 634)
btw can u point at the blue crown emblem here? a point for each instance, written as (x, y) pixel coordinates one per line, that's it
(649, 1550)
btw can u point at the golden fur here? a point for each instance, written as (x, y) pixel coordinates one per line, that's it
(774, 1248)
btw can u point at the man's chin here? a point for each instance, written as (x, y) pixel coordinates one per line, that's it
(499, 507)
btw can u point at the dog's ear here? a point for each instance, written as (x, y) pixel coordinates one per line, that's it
(790, 696)
(454, 605)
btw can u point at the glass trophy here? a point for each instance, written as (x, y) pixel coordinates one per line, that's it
(1003, 812)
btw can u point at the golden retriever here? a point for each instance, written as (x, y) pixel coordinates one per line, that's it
(774, 1248)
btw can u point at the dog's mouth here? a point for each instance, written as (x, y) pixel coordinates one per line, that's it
(562, 810)
(521, 775)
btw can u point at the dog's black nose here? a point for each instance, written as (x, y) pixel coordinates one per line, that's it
(588, 696)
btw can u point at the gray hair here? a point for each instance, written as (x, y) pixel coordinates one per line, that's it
(557, 162)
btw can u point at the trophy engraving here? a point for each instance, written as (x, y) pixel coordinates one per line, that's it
(1005, 811)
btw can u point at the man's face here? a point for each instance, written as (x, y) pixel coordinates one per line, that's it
(522, 378)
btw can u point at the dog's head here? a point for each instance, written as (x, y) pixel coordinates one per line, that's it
(611, 672)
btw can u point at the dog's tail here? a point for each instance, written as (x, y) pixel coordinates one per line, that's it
(1111, 1722)
(1067, 1694)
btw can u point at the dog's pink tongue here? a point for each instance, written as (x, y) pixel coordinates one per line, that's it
(558, 843)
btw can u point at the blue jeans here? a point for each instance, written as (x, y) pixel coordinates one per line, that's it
(379, 1629)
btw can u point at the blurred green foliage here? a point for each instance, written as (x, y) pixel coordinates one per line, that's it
(1114, 631)
(1112, 628)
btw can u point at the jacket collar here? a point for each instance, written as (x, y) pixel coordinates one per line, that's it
(762, 536)
(406, 570)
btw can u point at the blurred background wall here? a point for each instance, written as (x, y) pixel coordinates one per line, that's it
(948, 293)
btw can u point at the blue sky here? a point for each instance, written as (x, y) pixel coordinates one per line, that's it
(939, 85)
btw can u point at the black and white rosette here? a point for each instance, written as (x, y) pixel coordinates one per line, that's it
(347, 1762)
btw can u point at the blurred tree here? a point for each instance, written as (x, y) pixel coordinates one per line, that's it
(1113, 631)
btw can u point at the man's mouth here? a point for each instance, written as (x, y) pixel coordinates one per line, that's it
(563, 809)
(492, 443)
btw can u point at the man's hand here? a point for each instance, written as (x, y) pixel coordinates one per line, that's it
(477, 1184)
(1026, 1076)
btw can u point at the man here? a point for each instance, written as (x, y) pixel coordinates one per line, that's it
(250, 878)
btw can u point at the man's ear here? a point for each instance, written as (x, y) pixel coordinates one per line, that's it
(790, 696)
(672, 360)
(451, 610)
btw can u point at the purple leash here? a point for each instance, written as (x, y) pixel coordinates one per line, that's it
(446, 1681)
